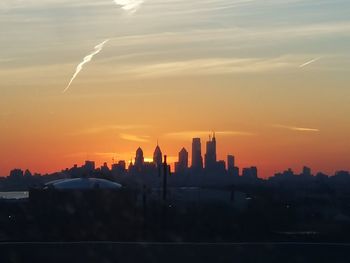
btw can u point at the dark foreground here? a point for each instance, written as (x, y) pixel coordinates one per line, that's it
(172, 252)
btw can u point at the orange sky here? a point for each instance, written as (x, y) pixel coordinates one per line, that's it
(271, 78)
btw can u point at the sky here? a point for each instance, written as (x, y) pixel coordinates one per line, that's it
(271, 77)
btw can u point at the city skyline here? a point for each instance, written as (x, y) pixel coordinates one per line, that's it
(270, 77)
(204, 162)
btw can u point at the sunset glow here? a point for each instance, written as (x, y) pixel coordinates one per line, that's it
(271, 78)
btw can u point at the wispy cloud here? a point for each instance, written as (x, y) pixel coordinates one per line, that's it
(211, 66)
(185, 135)
(134, 138)
(309, 62)
(106, 128)
(236, 35)
(295, 128)
(86, 59)
(89, 154)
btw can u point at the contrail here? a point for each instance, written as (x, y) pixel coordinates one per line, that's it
(309, 62)
(129, 5)
(294, 128)
(86, 59)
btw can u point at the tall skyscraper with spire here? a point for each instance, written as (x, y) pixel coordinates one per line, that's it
(210, 155)
(157, 156)
(197, 160)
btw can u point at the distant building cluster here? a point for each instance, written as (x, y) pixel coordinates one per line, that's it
(209, 165)
(205, 169)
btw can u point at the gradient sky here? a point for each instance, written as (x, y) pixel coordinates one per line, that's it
(270, 76)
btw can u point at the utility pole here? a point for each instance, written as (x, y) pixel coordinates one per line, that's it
(165, 174)
(164, 203)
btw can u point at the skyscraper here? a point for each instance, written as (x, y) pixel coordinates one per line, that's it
(157, 157)
(182, 165)
(210, 156)
(139, 159)
(197, 160)
(230, 162)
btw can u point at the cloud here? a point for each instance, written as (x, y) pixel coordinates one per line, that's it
(88, 155)
(208, 66)
(134, 138)
(234, 34)
(129, 5)
(294, 128)
(185, 135)
(106, 128)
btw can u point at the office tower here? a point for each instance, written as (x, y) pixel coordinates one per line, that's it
(210, 156)
(235, 171)
(232, 170)
(139, 159)
(157, 157)
(182, 165)
(230, 162)
(254, 172)
(197, 160)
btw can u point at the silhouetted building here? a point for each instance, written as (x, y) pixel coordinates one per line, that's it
(210, 155)
(321, 176)
(119, 169)
(230, 162)
(16, 173)
(197, 160)
(342, 175)
(27, 173)
(105, 170)
(157, 157)
(236, 171)
(232, 170)
(251, 173)
(89, 167)
(182, 165)
(220, 167)
(139, 159)
(288, 173)
(306, 171)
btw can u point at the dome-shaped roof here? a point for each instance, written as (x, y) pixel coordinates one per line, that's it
(83, 184)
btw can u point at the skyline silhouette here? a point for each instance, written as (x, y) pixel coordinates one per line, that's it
(201, 163)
